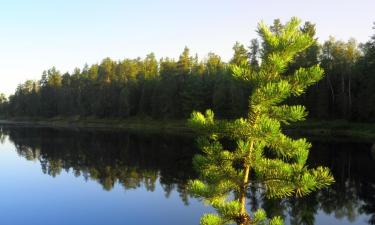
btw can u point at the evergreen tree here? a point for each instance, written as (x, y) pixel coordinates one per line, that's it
(184, 63)
(254, 53)
(3, 104)
(240, 54)
(263, 156)
(3, 99)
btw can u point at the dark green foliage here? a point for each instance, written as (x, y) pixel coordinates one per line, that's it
(173, 88)
(132, 87)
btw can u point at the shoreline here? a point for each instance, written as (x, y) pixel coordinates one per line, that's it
(176, 127)
(314, 129)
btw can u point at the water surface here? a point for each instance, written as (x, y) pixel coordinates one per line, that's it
(51, 176)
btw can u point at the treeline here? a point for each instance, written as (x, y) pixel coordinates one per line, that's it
(134, 87)
(169, 88)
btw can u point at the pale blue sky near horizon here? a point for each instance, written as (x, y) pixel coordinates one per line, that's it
(36, 35)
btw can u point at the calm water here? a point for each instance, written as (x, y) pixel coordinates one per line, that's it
(51, 177)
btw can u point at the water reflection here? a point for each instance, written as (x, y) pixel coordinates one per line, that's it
(110, 157)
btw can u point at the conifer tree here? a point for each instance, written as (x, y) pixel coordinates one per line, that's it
(261, 156)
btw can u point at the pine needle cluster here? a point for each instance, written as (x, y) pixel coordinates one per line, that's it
(262, 156)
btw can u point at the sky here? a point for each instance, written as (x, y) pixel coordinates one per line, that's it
(38, 34)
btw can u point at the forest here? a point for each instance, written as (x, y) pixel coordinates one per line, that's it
(172, 89)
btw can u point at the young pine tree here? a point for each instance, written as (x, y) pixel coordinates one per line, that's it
(262, 155)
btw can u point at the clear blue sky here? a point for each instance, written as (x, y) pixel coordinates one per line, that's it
(38, 34)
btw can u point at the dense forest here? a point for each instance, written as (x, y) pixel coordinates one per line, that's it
(172, 89)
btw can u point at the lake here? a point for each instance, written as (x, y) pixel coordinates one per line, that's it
(77, 177)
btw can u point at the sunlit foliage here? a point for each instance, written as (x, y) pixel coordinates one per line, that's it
(262, 155)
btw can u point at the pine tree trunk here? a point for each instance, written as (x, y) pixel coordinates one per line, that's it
(244, 216)
(331, 88)
(350, 95)
(243, 190)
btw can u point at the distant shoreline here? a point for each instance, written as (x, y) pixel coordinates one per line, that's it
(178, 127)
(315, 129)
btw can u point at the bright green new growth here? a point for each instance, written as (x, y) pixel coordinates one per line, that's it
(263, 157)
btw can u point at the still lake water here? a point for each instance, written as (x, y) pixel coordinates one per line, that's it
(71, 177)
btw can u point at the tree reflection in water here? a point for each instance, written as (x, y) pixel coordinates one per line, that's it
(110, 157)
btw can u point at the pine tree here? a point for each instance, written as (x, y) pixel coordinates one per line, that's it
(262, 155)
